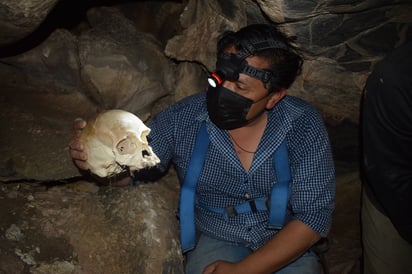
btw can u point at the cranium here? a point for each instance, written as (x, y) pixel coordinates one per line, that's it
(116, 139)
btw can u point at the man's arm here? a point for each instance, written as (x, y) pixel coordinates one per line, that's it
(286, 246)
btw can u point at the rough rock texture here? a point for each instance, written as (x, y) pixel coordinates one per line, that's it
(110, 60)
(121, 65)
(52, 73)
(110, 65)
(341, 42)
(80, 228)
(20, 18)
(203, 21)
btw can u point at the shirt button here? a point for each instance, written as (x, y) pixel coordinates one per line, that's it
(247, 196)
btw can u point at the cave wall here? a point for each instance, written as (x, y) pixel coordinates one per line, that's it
(131, 54)
(61, 60)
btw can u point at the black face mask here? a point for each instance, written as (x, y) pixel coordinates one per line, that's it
(227, 109)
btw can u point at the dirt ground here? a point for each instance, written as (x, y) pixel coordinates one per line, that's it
(344, 255)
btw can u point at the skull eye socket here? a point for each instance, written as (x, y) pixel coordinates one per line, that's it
(145, 153)
(126, 146)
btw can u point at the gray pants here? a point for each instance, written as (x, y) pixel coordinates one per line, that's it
(384, 251)
(209, 250)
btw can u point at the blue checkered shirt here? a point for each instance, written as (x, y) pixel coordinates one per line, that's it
(223, 181)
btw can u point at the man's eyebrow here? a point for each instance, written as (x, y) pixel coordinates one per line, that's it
(243, 82)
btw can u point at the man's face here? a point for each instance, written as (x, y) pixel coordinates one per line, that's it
(250, 87)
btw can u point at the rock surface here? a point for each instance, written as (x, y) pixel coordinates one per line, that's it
(114, 58)
(81, 228)
(21, 18)
(142, 56)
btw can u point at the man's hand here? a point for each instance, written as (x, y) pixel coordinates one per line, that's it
(79, 157)
(223, 267)
(76, 147)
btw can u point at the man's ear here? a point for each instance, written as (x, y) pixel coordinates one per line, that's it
(275, 98)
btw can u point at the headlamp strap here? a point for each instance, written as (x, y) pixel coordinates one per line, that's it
(252, 46)
(262, 75)
(232, 64)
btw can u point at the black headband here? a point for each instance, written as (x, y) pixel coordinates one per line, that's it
(229, 65)
(252, 46)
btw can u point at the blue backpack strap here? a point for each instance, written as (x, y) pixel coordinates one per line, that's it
(280, 190)
(278, 200)
(187, 193)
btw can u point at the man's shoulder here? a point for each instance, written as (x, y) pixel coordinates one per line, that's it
(297, 107)
(298, 113)
(197, 99)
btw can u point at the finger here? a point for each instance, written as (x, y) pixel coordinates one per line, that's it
(78, 155)
(76, 144)
(209, 269)
(81, 164)
(79, 124)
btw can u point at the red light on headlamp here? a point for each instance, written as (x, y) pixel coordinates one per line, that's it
(215, 79)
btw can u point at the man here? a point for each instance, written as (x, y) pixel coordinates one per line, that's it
(387, 165)
(248, 118)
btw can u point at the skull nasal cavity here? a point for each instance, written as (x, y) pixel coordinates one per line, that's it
(145, 153)
(126, 146)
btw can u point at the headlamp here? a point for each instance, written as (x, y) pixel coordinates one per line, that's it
(228, 67)
(215, 79)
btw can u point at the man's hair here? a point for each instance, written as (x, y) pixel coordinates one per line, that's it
(278, 49)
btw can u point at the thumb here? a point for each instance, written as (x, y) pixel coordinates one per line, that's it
(210, 268)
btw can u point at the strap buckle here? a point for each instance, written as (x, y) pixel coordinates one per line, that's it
(252, 205)
(231, 211)
(247, 206)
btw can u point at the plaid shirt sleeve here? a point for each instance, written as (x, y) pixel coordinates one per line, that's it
(313, 187)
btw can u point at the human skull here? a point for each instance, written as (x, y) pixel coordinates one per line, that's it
(116, 139)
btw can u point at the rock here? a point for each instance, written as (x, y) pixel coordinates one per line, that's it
(203, 21)
(122, 67)
(190, 79)
(119, 58)
(81, 228)
(107, 61)
(20, 18)
(46, 78)
(67, 77)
